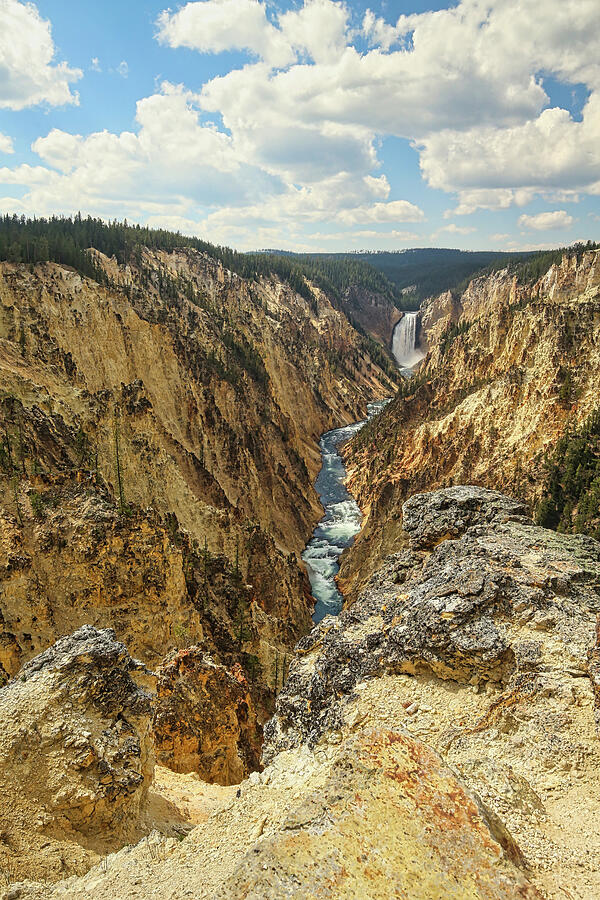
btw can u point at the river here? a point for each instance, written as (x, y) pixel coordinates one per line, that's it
(341, 522)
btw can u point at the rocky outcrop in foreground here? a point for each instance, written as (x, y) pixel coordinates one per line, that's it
(76, 754)
(205, 721)
(485, 648)
(375, 816)
(435, 740)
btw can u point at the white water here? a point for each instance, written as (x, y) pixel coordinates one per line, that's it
(341, 521)
(404, 342)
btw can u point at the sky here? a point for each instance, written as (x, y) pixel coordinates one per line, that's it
(312, 125)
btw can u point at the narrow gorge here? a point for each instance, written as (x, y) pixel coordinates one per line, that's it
(159, 431)
(193, 444)
(341, 520)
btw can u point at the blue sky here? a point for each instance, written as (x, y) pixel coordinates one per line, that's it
(310, 125)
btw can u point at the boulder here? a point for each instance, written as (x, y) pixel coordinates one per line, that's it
(205, 720)
(383, 818)
(435, 516)
(76, 752)
(370, 815)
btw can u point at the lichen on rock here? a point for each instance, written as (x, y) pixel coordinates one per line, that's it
(431, 518)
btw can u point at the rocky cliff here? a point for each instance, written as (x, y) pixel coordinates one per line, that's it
(76, 755)
(502, 382)
(371, 311)
(437, 739)
(158, 450)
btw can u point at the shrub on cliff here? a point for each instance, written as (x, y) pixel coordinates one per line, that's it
(571, 497)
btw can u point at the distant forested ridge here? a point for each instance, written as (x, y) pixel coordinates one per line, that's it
(430, 271)
(65, 240)
(404, 277)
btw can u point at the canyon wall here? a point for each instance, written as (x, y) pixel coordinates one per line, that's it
(158, 451)
(509, 367)
(373, 312)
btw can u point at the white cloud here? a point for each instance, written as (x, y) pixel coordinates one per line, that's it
(95, 64)
(194, 178)
(464, 87)
(550, 152)
(301, 122)
(394, 211)
(341, 199)
(171, 164)
(6, 144)
(212, 26)
(29, 74)
(24, 174)
(452, 228)
(495, 199)
(471, 64)
(378, 32)
(319, 29)
(547, 221)
(123, 69)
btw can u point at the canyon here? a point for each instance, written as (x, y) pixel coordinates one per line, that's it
(501, 384)
(176, 723)
(158, 454)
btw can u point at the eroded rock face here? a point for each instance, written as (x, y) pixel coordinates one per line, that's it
(76, 752)
(501, 384)
(433, 517)
(212, 391)
(486, 648)
(205, 720)
(472, 611)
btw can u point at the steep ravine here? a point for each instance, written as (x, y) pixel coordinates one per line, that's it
(502, 381)
(159, 449)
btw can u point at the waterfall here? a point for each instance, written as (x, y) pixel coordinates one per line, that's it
(404, 342)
